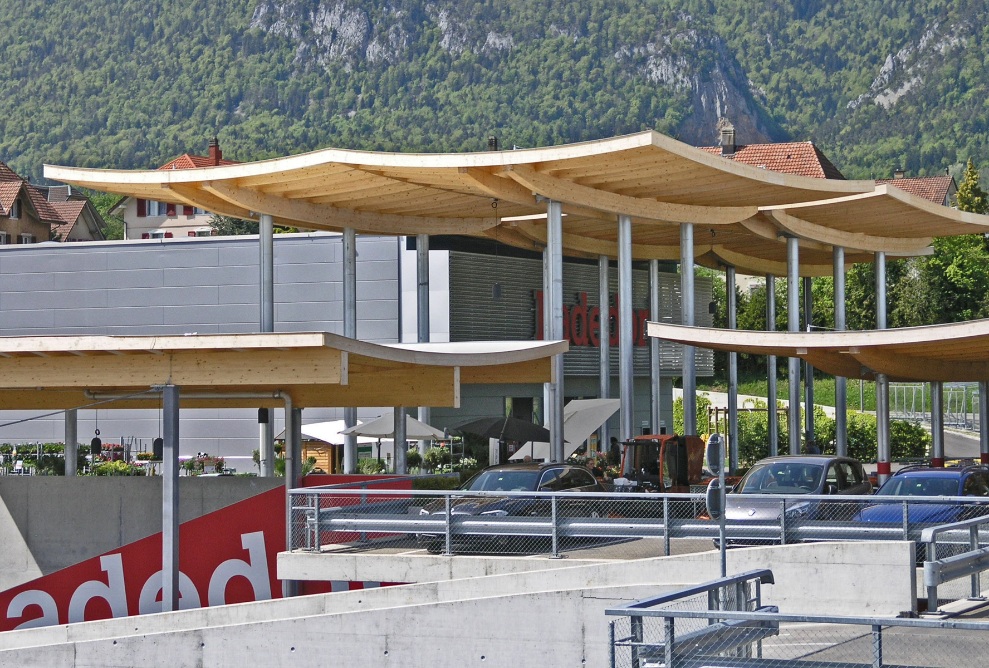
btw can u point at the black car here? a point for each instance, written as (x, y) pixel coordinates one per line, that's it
(520, 477)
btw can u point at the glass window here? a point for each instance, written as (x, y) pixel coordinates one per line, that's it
(15, 209)
(976, 485)
(553, 480)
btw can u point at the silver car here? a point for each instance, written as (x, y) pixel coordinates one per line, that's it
(794, 475)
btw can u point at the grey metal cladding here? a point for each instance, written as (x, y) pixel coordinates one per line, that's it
(493, 298)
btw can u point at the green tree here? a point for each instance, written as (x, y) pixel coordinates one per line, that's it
(970, 195)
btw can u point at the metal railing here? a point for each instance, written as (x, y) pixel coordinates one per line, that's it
(969, 557)
(550, 522)
(723, 623)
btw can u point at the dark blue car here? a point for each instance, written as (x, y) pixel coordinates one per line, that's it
(925, 481)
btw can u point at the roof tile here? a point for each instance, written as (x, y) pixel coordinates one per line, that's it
(799, 158)
(933, 188)
(189, 161)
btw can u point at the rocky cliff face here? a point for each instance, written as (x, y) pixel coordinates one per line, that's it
(688, 60)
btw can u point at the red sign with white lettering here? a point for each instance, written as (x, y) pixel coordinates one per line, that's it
(227, 556)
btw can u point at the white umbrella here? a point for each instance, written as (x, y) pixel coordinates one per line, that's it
(328, 432)
(581, 417)
(384, 427)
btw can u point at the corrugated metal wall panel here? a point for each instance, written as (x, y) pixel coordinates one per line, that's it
(493, 298)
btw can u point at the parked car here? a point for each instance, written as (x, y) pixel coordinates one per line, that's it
(517, 477)
(926, 481)
(795, 475)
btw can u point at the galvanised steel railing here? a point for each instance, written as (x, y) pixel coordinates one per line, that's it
(723, 623)
(458, 521)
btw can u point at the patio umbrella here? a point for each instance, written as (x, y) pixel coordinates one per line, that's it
(581, 417)
(504, 429)
(384, 427)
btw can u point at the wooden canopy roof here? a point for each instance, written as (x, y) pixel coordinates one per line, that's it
(948, 353)
(742, 213)
(250, 370)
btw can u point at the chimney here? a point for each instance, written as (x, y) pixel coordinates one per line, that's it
(727, 138)
(492, 143)
(899, 173)
(215, 154)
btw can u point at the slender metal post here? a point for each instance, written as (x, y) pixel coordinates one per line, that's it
(350, 331)
(884, 455)
(293, 477)
(71, 442)
(840, 383)
(808, 369)
(687, 318)
(266, 246)
(422, 313)
(400, 441)
(772, 417)
(625, 324)
(937, 423)
(654, 349)
(793, 325)
(984, 422)
(170, 500)
(604, 344)
(732, 299)
(554, 225)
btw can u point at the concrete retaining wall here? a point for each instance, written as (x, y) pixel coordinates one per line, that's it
(552, 617)
(50, 523)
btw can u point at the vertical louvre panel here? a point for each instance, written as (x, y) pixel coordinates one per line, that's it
(493, 298)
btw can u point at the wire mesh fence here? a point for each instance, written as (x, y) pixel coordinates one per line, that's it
(723, 623)
(545, 522)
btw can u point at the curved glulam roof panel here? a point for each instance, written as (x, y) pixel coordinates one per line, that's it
(251, 370)
(743, 213)
(947, 353)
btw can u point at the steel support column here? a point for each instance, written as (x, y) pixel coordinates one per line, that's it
(266, 245)
(554, 237)
(422, 313)
(687, 318)
(170, 500)
(71, 442)
(350, 331)
(400, 442)
(884, 457)
(655, 368)
(808, 369)
(626, 378)
(937, 423)
(772, 417)
(984, 422)
(793, 325)
(604, 345)
(293, 452)
(840, 383)
(732, 304)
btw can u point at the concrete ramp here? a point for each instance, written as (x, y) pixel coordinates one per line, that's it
(552, 616)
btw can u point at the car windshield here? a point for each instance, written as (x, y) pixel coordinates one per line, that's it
(915, 485)
(782, 478)
(504, 481)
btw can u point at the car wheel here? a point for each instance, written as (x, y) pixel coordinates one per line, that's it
(434, 548)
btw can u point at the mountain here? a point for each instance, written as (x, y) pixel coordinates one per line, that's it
(877, 84)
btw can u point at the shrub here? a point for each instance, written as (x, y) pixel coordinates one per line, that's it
(117, 468)
(436, 458)
(370, 466)
(413, 459)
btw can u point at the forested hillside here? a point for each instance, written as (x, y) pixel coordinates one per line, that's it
(121, 83)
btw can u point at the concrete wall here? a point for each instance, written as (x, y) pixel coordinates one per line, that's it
(551, 617)
(174, 286)
(48, 523)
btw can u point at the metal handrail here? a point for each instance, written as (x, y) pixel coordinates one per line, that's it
(967, 564)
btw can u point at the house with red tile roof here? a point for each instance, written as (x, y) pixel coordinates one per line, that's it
(938, 189)
(27, 215)
(148, 219)
(799, 158)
